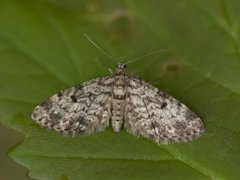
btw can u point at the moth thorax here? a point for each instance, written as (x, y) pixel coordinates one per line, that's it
(119, 91)
(119, 88)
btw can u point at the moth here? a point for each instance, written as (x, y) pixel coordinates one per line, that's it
(121, 101)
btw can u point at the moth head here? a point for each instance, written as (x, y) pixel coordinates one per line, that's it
(120, 68)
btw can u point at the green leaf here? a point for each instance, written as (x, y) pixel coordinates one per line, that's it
(43, 50)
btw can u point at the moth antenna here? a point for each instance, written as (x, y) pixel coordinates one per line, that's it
(146, 55)
(99, 48)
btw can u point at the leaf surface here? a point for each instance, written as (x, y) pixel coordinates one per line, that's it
(43, 50)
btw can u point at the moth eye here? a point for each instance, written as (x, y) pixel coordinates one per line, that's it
(124, 66)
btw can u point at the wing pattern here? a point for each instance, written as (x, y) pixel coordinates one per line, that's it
(157, 116)
(145, 111)
(82, 109)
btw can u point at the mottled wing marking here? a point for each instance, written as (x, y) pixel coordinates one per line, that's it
(83, 109)
(157, 116)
